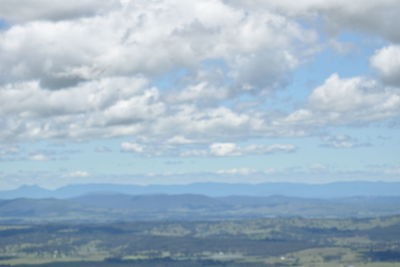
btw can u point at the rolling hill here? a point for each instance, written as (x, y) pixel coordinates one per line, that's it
(120, 207)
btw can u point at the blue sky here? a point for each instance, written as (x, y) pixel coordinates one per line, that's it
(167, 92)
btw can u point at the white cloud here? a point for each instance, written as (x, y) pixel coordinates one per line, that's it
(365, 99)
(75, 174)
(392, 171)
(27, 99)
(233, 150)
(92, 111)
(179, 140)
(341, 141)
(317, 166)
(38, 157)
(205, 123)
(10, 152)
(387, 62)
(79, 85)
(341, 101)
(198, 150)
(135, 109)
(342, 95)
(238, 171)
(371, 16)
(25, 10)
(153, 37)
(7, 150)
(346, 101)
(202, 91)
(224, 149)
(265, 149)
(195, 153)
(132, 147)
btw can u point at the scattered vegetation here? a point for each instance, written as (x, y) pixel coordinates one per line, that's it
(255, 242)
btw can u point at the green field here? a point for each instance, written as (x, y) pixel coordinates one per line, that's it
(257, 242)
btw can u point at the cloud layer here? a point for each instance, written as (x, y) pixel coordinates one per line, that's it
(182, 73)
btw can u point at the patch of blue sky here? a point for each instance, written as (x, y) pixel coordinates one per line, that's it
(366, 141)
(116, 161)
(354, 61)
(212, 63)
(309, 75)
(169, 80)
(381, 141)
(119, 162)
(3, 24)
(307, 148)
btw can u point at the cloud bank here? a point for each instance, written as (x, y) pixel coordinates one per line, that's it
(87, 70)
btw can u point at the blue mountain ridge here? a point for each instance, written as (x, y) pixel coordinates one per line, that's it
(330, 190)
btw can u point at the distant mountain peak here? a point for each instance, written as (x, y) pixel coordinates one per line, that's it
(331, 190)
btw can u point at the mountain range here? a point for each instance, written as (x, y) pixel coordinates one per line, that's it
(202, 201)
(331, 190)
(101, 208)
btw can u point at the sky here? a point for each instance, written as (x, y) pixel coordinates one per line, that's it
(179, 92)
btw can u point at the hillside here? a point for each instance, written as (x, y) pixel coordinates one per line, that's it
(120, 207)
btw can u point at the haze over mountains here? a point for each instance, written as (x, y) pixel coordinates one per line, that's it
(204, 201)
(332, 190)
(100, 208)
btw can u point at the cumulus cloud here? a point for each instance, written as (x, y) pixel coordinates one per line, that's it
(92, 111)
(195, 153)
(38, 157)
(59, 80)
(341, 141)
(230, 149)
(345, 101)
(370, 16)
(20, 153)
(393, 171)
(387, 62)
(198, 150)
(179, 140)
(366, 99)
(233, 150)
(95, 108)
(132, 147)
(238, 171)
(27, 99)
(25, 10)
(265, 149)
(201, 92)
(152, 37)
(207, 123)
(224, 149)
(7, 150)
(343, 95)
(246, 172)
(76, 174)
(80, 85)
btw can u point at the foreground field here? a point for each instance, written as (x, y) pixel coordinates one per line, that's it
(260, 242)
